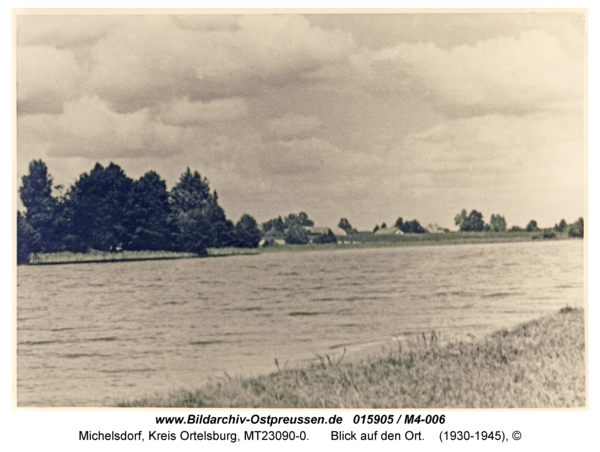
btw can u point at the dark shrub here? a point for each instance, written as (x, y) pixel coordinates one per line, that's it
(326, 238)
(576, 229)
(296, 235)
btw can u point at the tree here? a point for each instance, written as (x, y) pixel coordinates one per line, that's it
(296, 235)
(300, 219)
(497, 223)
(460, 218)
(329, 237)
(383, 226)
(42, 212)
(200, 221)
(247, 232)
(473, 223)
(303, 220)
(276, 224)
(26, 236)
(376, 228)
(97, 209)
(413, 227)
(399, 224)
(532, 226)
(148, 219)
(561, 227)
(36, 188)
(345, 225)
(576, 229)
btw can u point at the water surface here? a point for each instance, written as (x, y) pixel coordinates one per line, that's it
(96, 334)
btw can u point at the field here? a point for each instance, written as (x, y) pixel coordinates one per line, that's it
(539, 364)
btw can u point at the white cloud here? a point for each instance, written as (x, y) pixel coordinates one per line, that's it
(183, 112)
(497, 151)
(47, 77)
(292, 125)
(502, 74)
(64, 30)
(88, 128)
(153, 58)
(296, 157)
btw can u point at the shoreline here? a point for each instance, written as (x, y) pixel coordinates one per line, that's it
(344, 243)
(537, 364)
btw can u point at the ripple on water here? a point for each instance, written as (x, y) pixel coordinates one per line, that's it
(85, 344)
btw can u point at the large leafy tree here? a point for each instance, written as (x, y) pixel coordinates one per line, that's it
(148, 219)
(247, 234)
(473, 223)
(200, 221)
(460, 218)
(301, 219)
(576, 229)
(39, 229)
(97, 209)
(532, 226)
(296, 235)
(561, 227)
(497, 223)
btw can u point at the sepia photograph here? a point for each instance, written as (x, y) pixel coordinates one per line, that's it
(300, 209)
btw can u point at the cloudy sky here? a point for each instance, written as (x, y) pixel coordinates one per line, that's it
(368, 116)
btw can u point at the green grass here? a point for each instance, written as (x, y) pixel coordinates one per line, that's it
(539, 364)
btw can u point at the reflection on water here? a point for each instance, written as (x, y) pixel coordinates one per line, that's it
(95, 334)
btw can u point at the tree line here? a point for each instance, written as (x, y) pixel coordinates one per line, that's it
(106, 210)
(474, 223)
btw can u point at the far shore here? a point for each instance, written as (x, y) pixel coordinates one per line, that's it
(361, 240)
(538, 364)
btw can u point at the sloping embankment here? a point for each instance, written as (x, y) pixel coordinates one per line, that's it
(539, 364)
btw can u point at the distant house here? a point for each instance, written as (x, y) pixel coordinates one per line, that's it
(339, 231)
(389, 231)
(271, 242)
(434, 228)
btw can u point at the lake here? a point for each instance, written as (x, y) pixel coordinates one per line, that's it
(91, 335)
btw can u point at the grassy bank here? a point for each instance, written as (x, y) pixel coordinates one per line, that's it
(361, 240)
(67, 257)
(539, 364)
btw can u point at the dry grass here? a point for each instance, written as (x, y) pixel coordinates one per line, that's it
(67, 257)
(231, 251)
(540, 364)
